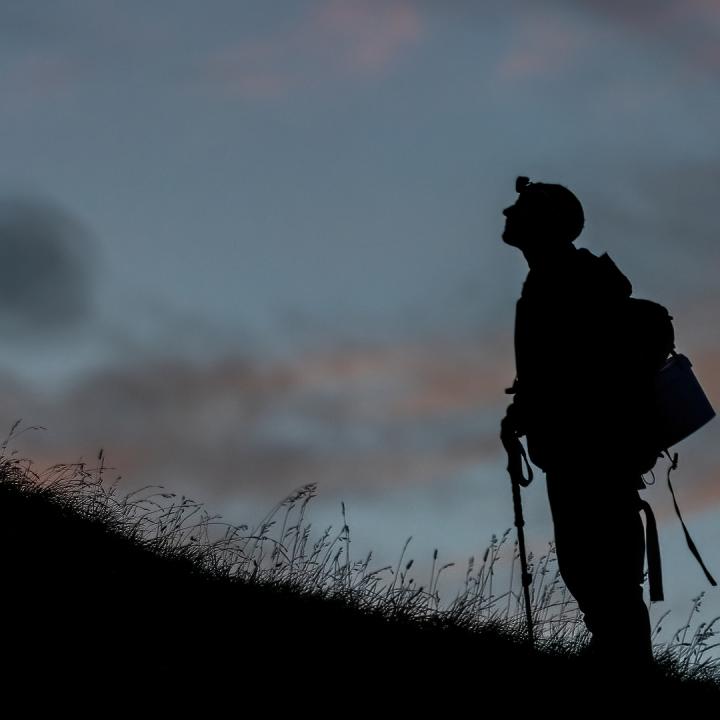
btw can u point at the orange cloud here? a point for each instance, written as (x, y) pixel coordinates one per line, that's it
(358, 418)
(370, 34)
(541, 45)
(558, 43)
(338, 38)
(354, 420)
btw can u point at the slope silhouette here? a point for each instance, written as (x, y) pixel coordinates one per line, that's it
(89, 600)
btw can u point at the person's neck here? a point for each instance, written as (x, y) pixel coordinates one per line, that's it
(549, 256)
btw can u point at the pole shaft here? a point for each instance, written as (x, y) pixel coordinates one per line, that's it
(526, 576)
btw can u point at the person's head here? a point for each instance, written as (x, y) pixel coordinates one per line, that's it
(544, 217)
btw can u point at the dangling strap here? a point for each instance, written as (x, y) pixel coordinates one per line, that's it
(516, 455)
(526, 481)
(688, 539)
(652, 549)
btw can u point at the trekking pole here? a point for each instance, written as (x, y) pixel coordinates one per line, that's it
(516, 453)
(526, 576)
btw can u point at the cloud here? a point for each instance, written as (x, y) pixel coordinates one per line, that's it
(336, 39)
(687, 29)
(585, 42)
(362, 420)
(369, 35)
(48, 259)
(541, 44)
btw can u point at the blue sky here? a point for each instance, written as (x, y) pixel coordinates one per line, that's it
(260, 242)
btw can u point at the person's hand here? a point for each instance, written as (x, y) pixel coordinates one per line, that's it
(508, 429)
(510, 435)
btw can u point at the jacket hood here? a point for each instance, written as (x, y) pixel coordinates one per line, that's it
(580, 272)
(603, 273)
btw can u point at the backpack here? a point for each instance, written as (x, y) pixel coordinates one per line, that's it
(648, 332)
(646, 338)
(675, 404)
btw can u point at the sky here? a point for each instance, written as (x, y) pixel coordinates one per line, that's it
(248, 246)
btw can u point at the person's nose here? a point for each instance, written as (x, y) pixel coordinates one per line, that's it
(506, 211)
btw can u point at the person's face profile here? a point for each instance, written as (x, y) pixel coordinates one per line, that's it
(517, 218)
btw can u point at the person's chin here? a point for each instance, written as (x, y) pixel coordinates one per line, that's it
(508, 239)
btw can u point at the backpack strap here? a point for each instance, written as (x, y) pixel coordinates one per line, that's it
(652, 549)
(688, 539)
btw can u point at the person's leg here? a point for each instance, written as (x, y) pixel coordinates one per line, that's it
(600, 548)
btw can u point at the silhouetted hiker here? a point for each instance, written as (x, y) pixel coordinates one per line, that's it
(578, 406)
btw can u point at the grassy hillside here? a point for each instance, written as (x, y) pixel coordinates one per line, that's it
(147, 593)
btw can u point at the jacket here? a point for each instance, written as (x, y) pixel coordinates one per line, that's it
(578, 396)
